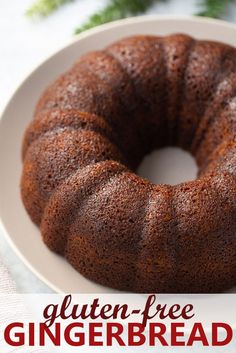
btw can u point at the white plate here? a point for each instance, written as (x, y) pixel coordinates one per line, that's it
(22, 234)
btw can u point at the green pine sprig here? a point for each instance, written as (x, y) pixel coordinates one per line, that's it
(213, 8)
(116, 10)
(43, 8)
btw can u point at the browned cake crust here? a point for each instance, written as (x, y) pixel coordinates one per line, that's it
(93, 126)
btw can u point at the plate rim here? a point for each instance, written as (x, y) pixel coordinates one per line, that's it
(110, 26)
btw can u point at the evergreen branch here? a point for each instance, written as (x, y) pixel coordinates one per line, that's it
(42, 8)
(213, 8)
(116, 10)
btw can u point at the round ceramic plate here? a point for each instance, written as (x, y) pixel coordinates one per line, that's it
(22, 234)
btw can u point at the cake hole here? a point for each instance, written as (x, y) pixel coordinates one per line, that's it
(169, 165)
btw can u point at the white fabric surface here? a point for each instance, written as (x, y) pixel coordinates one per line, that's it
(7, 285)
(24, 44)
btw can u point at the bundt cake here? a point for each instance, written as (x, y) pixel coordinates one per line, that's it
(91, 129)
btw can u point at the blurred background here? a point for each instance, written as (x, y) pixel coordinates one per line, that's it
(32, 30)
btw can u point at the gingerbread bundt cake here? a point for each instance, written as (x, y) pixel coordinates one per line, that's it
(91, 129)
